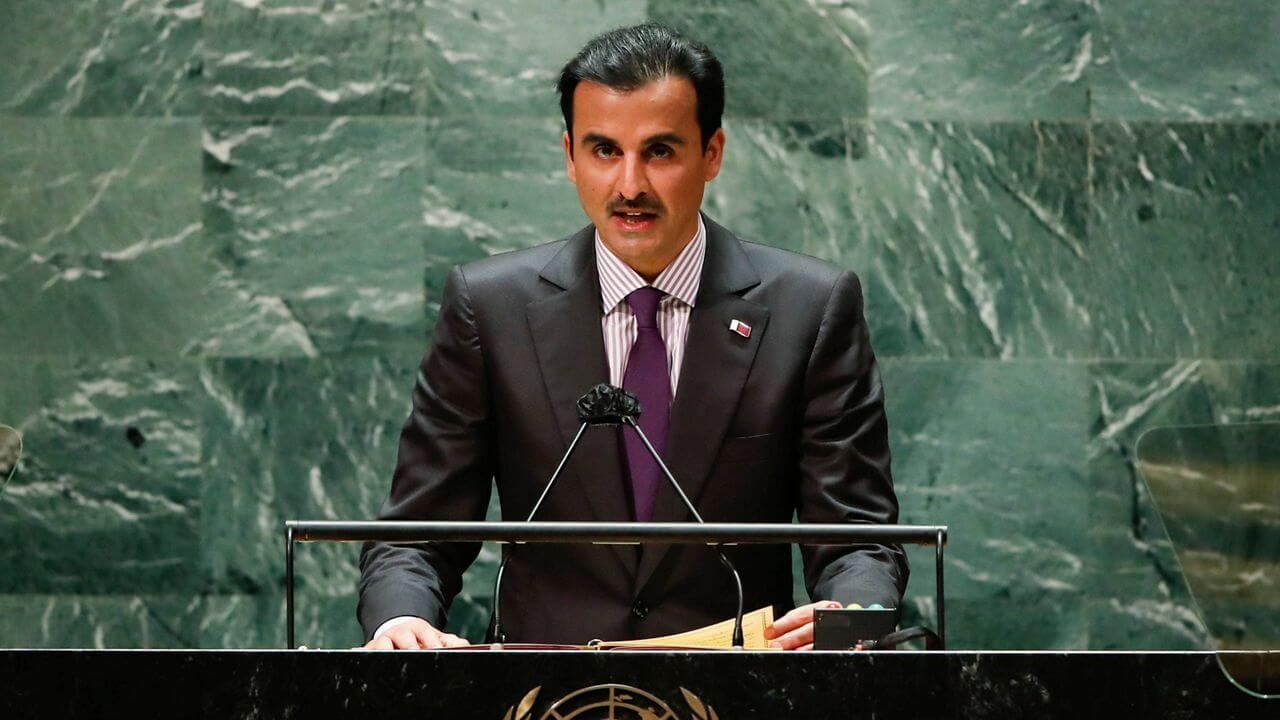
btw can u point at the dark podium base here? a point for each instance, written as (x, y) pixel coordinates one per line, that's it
(585, 684)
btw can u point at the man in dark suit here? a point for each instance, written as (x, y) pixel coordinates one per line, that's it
(753, 367)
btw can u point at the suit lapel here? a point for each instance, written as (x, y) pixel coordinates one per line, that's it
(715, 368)
(570, 347)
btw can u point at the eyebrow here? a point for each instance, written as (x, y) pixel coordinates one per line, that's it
(668, 138)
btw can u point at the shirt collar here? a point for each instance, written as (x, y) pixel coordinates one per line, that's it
(679, 280)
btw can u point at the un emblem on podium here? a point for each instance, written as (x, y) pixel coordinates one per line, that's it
(610, 702)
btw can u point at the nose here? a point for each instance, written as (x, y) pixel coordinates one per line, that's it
(634, 181)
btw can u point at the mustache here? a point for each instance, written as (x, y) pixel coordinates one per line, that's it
(640, 204)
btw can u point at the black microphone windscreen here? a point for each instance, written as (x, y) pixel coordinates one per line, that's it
(607, 404)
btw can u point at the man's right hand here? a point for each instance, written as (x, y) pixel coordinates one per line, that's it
(415, 634)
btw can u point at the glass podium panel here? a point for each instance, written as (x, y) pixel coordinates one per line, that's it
(10, 451)
(1217, 490)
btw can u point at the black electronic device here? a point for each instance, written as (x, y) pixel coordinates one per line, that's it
(847, 628)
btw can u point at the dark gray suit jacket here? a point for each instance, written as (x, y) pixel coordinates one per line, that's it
(788, 420)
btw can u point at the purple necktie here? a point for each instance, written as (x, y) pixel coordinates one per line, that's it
(648, 379)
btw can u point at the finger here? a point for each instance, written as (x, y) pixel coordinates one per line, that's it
(794, 639)
(786, 623)
(426, 636)
(451, 640)
(403, 638)
(382, 642)
(395, 636)
(797, 617)
(805, 647)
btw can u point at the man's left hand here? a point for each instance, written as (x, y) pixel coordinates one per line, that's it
(794, 631)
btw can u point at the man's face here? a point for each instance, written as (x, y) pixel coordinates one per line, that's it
(638, 162)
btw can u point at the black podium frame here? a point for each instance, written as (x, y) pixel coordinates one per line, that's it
(605, 533)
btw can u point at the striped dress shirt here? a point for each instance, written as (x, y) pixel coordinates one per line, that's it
(680, 281)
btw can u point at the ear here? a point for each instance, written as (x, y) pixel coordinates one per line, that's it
(714, 154)
(568, 158)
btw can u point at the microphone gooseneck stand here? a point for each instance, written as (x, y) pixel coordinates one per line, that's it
(607, 404)
(603, 404)
(738, 640)
(496, 635)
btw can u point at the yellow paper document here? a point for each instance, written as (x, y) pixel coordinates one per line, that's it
(719, 635)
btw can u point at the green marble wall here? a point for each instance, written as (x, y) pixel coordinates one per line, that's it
(224, 226)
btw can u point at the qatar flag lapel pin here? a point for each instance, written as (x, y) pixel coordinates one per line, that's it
(740, 327)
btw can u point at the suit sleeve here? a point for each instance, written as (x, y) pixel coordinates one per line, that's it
(844, 458)
(442, 472)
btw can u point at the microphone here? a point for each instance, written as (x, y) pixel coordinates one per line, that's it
(607, 404)
(603, 404)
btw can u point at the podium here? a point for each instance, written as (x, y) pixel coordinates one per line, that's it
(624, 685)
(627, 684)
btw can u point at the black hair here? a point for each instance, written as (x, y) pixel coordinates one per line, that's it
(628, 57)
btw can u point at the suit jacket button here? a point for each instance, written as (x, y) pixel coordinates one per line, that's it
(640, 609)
